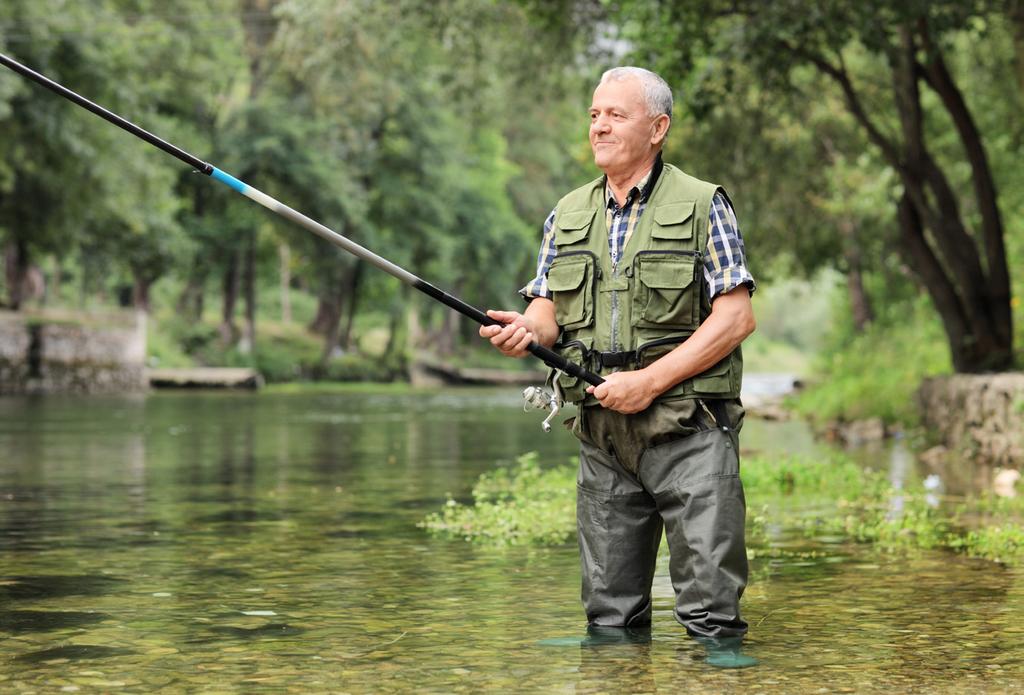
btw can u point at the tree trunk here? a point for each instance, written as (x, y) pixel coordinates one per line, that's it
(190, 301)
(248, 340)
(860, 302)
(926, 266)
(227, 328)
(15, 272)
(972, 299)
(325, 311)
(54, 285)
(997, 276)
(332, 320)
(284, 255)
(140, 290)
(394, 334)
(981, 298)
(346, 339)
(414, 337)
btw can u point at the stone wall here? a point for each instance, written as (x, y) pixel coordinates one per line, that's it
(48, 353)
(980, 416)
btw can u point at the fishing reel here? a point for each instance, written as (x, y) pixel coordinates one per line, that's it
(537, 397)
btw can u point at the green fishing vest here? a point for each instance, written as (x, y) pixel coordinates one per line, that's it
(653, 300)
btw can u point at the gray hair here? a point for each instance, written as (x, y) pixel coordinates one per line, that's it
(657, 93)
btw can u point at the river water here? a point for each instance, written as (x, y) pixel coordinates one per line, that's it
(221, 542)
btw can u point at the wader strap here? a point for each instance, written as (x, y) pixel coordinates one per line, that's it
(717, 408)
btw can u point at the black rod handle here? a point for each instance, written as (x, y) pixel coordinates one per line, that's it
(546, 355)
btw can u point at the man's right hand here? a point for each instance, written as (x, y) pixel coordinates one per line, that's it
(514, 337)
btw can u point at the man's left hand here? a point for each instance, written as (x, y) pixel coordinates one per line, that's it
(625, 392)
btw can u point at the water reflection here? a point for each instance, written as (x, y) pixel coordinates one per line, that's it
(45, 621)
(236, 542)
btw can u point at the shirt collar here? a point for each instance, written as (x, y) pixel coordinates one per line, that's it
(644, 186)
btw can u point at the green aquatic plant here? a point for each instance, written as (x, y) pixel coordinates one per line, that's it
(519, 504)
(799, 477)
(993, 528)
(901, 521)
(523, 503)
(1000, 543)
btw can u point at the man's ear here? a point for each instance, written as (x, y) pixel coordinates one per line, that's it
(661, 124)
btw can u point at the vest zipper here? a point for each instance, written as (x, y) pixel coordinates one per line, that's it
(655, 252)
(615, 312)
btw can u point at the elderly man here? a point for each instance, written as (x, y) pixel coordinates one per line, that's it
(642, 279)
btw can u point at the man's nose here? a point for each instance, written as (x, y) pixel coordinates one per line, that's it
(600, 125)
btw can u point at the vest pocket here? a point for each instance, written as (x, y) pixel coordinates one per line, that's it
(573, 388)
(674, 221)
(570, 280)
(667, 295)
(573, 227)
(651, 351)
(716, 379)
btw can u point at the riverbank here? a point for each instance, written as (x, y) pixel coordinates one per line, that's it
(72, 352)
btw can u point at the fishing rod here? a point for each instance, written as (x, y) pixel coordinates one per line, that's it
(546, 355)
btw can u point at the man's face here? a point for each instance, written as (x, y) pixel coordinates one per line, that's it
(622, 134)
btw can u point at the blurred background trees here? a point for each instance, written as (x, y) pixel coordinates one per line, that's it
(876, 141)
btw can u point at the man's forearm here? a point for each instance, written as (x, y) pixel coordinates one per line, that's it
(730, 322)
(541, 315)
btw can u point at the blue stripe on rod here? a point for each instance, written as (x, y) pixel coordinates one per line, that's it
(230, 180)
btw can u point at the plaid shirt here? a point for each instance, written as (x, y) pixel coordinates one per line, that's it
(725, 265)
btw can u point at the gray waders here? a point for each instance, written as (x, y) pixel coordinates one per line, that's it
(669, 467)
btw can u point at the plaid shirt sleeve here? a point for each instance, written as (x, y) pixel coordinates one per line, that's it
(538, 286)
(725, 263)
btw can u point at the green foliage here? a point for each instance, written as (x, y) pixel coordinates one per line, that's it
(1002, 543)
(878, 520)
(792, 320)
(364, 368)
(415, 128)
(802, 478)
(525, 504)
(812, 116)
(876, 373)
(516, 505)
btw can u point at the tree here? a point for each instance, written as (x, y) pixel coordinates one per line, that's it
(951, 231)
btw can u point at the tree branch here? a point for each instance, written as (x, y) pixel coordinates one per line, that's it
(853, 102)
(936, 74)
